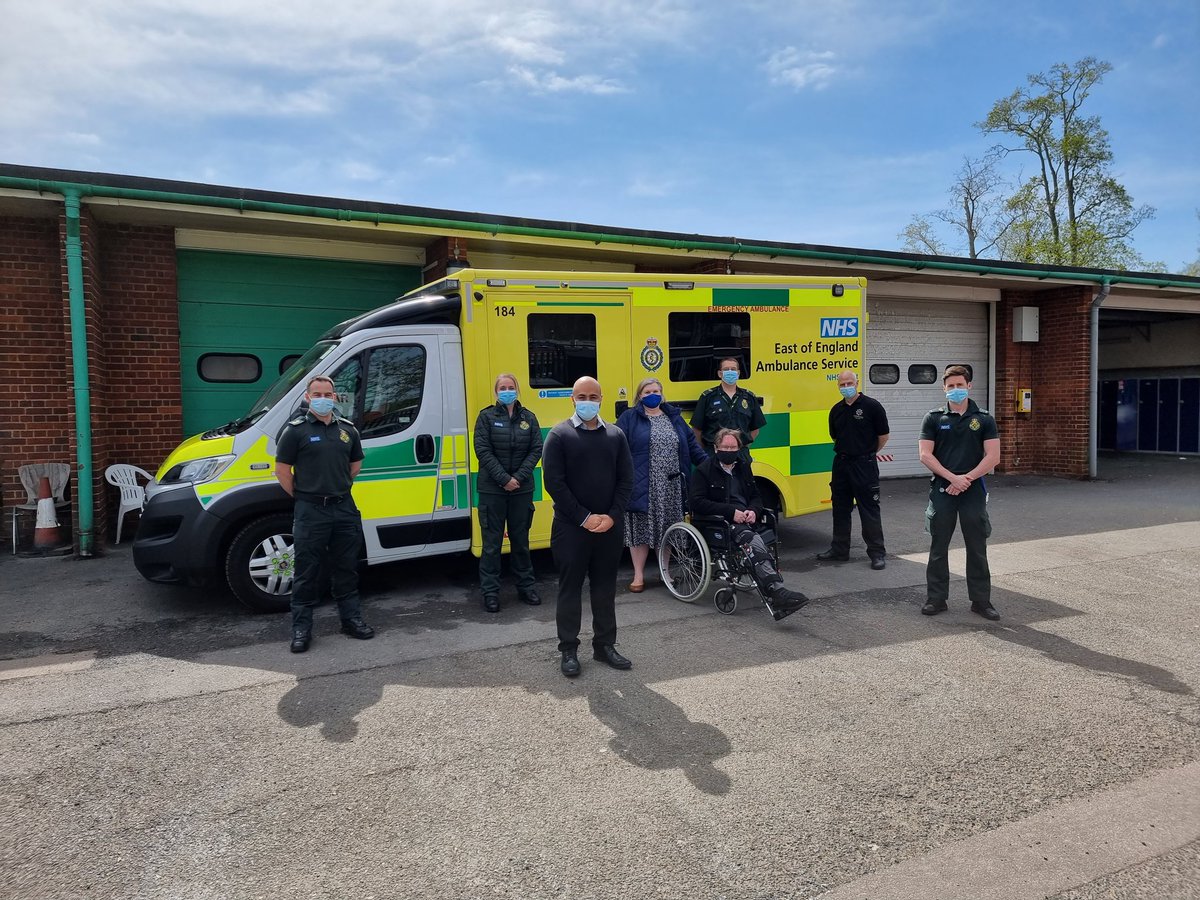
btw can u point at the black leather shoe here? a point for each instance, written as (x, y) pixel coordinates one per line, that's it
(491, 603)
(530, 597)
(833, 556)
(608, 654)
(932, 609)
(785, 602)
(570, 663)
(300, 639)
(357, 628)
(988, 612)
(879, 563)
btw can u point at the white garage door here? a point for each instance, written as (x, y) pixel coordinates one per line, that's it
(909, 344)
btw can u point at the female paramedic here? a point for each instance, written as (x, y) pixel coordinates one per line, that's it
(508, 442)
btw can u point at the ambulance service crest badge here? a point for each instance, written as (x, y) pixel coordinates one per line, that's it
(974, 426)
(652, 355)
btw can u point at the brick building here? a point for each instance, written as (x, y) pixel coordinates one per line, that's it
(191, 298)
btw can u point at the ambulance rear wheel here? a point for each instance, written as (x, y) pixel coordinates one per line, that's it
(261, 564)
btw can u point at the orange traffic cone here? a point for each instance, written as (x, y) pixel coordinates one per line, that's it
(46, 535)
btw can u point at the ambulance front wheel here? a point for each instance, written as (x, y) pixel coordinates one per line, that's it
(261, 564)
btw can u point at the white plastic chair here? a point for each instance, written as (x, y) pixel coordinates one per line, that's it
(31, 476)
(133, 494)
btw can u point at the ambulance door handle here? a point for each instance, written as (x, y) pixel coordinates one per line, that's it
(424, 448)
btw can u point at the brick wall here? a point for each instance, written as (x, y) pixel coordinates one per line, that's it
(35, 428)
(137, 409)
(1053, 438)
(131, 319)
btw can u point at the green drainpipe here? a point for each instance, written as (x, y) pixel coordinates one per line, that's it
(79, 360)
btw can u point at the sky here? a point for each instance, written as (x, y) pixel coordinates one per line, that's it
(813, 121)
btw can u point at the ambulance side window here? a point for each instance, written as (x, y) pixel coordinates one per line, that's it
(346, 381)
(697, 341)
(562, 348)
(394, 387)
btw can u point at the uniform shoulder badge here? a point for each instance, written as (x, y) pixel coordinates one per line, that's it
(299, 420)
(984, 412)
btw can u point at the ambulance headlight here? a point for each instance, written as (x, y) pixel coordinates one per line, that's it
(195, 471)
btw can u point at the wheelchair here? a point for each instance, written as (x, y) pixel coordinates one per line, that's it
(694, 554)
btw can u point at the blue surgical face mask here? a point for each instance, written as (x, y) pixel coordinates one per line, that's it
(587, 409)
(508, 398)
(729, 376)
(322, 406)
(651, 400)
(848, 391)
(956, 395)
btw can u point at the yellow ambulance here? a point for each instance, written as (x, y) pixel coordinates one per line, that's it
(413, 374)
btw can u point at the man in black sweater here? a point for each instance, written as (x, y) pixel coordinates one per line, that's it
(587, 470)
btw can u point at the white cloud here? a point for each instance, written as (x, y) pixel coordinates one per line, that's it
(552, 82)
(359, 171)
(1160, 41)
(802, 69)
(298, 57)
(650, 187)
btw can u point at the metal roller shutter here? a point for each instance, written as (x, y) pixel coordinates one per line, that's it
(908, 338)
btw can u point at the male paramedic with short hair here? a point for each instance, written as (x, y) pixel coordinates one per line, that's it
(725, 405)
(316, 460)
(959, 444)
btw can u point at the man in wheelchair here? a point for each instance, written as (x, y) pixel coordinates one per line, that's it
(723, 487)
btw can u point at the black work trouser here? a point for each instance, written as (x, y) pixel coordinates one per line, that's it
(331, 536)
(579, 553)
(969, 510)
(496, 511)
(856, 482)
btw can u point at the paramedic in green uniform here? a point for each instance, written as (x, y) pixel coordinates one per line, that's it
(316, 460)
(508, 442)
(727, 406)
(959, 444)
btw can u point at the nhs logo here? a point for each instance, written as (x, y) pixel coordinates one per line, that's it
(839, 328)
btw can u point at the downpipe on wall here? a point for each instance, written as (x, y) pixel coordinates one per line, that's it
(1094, 375)
(80, 381)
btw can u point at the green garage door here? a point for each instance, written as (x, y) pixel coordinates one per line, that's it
(244, 317)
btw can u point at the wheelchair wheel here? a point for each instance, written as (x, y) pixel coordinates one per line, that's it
(725, 601)
(685, 562)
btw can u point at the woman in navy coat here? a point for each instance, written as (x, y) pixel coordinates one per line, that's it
(664, 449)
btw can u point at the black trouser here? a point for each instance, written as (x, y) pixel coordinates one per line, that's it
(579, 553)
(970, 510)
(856, 481)
(326, 535)
(495, 511)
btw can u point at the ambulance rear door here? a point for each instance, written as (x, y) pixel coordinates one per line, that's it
(549, 336)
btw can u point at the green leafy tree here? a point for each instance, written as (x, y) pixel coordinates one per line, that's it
(1072, 211)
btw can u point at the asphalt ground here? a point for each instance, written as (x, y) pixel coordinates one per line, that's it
(156, 742)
